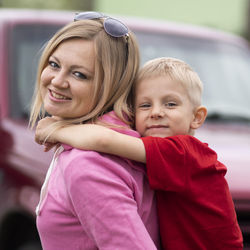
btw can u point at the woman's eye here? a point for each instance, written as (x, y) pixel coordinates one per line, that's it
(53, 64)
(80, 75)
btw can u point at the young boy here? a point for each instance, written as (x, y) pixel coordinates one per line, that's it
(195, 207)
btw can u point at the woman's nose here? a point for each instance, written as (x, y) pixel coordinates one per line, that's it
(59, 80)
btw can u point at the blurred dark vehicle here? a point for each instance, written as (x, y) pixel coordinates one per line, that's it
(222, 61)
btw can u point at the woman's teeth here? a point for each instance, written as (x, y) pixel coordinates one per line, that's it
(57, 96)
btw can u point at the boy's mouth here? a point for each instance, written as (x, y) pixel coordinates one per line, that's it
(157, 126)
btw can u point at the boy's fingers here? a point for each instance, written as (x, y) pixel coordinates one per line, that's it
(48, 146)
(37, 139)
(56, 118)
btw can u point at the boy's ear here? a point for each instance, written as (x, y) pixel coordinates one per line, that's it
(200, 115)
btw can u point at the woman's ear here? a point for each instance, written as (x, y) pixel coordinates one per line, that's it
(200, 115)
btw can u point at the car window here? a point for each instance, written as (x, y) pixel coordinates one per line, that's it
(222, 67)
(28, 41)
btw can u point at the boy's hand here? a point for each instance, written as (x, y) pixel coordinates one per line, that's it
(48, 146)
(41, 133)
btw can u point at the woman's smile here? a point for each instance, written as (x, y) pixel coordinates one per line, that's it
(58, 97)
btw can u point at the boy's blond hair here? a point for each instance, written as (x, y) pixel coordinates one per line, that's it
(176, 70)
(116, 66)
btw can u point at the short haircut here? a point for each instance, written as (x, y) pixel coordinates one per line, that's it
(176, 70)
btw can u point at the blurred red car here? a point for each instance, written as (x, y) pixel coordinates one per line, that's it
(222, 61)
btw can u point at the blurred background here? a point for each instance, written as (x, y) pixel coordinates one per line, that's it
(186, 29)
(232, 16)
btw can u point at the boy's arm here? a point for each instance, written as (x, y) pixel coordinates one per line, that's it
(101, 139)
(94, 137)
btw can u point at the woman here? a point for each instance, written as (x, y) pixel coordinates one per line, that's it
(91, 200)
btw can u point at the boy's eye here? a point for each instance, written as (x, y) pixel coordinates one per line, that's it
(80, 75)
(144, 105)
(171, 104)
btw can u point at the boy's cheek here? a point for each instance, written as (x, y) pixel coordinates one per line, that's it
(140, 122)
(140, 129)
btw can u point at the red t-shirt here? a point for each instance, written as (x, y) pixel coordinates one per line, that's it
(195, 207)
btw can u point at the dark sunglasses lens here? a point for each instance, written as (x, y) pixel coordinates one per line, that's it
(115, 28)
(88, 15)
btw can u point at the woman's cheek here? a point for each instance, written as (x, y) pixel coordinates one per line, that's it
(45, 76)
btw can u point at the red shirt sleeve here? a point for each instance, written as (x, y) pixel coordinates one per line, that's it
(176, 163)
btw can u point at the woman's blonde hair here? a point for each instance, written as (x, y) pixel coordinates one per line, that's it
(116, 66)
(176, 70)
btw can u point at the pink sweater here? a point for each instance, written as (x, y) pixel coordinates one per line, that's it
(97, 201)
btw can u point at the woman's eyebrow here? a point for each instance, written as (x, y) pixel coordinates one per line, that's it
(76, 66)
(54, 57)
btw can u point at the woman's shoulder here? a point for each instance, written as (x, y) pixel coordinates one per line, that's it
(79, 166)
(91, 162)
(71, 155)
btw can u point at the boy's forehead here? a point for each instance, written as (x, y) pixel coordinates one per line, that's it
(152, 84)
(160, 87)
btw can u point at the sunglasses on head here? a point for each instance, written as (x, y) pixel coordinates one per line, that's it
(112, 26)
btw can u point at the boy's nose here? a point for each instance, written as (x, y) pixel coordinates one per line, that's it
(157, 112)
(59, 80)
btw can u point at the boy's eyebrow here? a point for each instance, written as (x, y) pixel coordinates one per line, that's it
(170, 95)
